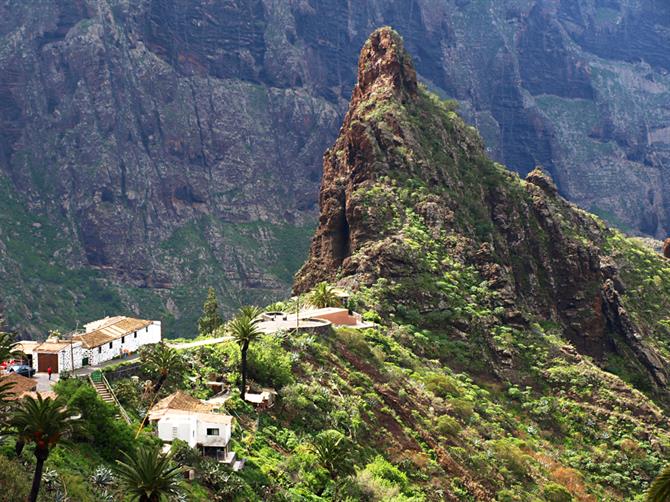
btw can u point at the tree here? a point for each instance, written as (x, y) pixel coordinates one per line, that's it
(659, 491)
(43, 422)
(243, 328)
(8, 347)
(323, 296)
(332, 450)
(162, 360)
(148, 475)
(210, 319)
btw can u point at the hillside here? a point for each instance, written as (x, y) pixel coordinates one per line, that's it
(151, 148)
(519, 350)
(557, 322)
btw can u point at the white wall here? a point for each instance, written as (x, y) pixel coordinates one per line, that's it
(182, 427)
(221, 440)
(65, 358)
(130, 342)
(192, 430)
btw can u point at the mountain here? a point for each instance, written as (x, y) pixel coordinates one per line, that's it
(515, 346)
(498, 280)
(151, 148)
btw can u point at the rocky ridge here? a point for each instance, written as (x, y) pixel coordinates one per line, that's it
(408, 194)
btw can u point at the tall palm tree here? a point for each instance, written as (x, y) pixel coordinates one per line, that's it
(323, 296)
(162, 360)
(43, 422)
(148, 475)
(659, 491)
(243, 328)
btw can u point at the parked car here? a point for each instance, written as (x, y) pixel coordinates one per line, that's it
(22, 369)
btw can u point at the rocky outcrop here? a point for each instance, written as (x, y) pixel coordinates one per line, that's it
(126, 125)
(407, 190)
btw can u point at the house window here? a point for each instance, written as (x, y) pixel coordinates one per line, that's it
(146, 329)
(99, 350)
(110, 344)
(212, 432)
(175, 433)
(123, 339)
(135, 334)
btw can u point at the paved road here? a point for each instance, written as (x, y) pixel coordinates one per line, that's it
(43, 382)
(200, 343)
(87, 370)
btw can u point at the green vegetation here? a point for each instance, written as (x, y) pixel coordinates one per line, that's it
(211, 318)
(148, 476)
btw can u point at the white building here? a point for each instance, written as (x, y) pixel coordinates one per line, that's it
(114, 337)
(180, 416)
(59, 355)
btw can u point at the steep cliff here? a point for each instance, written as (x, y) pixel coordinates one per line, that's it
(161, 145)
(475, 270)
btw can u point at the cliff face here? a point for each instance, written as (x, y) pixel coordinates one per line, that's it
(409, 198)
(160, 144)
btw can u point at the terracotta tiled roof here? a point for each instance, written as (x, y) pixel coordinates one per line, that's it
(20, 384)
(111, 329)
(178, 401)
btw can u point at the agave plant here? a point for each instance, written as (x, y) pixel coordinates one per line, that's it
(102, 477)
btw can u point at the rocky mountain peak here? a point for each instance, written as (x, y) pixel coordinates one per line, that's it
(385, 68)
(409, 197)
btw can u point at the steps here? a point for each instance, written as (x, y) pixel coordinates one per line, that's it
(104, 393)
(102, 387)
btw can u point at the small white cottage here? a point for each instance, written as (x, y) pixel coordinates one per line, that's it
(114, 337)
(180, 416)
(58, 355)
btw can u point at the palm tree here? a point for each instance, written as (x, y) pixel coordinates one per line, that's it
(659, 491)
(332, 451)
(8, 347)
(43, 422)
(162, 360)
(243, 328)
(148, 475)
(323, 296)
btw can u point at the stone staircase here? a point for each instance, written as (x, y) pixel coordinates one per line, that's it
(104, 393)
(104, 390)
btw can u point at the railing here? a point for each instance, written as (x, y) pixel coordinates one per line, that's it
(121, 409)
(99, 377)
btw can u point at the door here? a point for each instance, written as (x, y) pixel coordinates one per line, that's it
(46, 361)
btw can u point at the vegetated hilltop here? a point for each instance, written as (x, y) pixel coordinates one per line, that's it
(557, 321)
(152, 145)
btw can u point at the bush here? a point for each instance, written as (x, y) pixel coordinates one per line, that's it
(15, 482)
(99, 424)
(448, 426)
(553, 492)
(269, 363)
(441, 385)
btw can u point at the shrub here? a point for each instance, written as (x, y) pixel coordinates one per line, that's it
(441, 385)
(448, 426)
(269, 363)
(14, 481)
(99, 424)
(553, 492)
(462, 408)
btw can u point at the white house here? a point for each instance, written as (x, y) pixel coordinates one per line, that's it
(180, 416)
(113, 337)
(59, 355)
